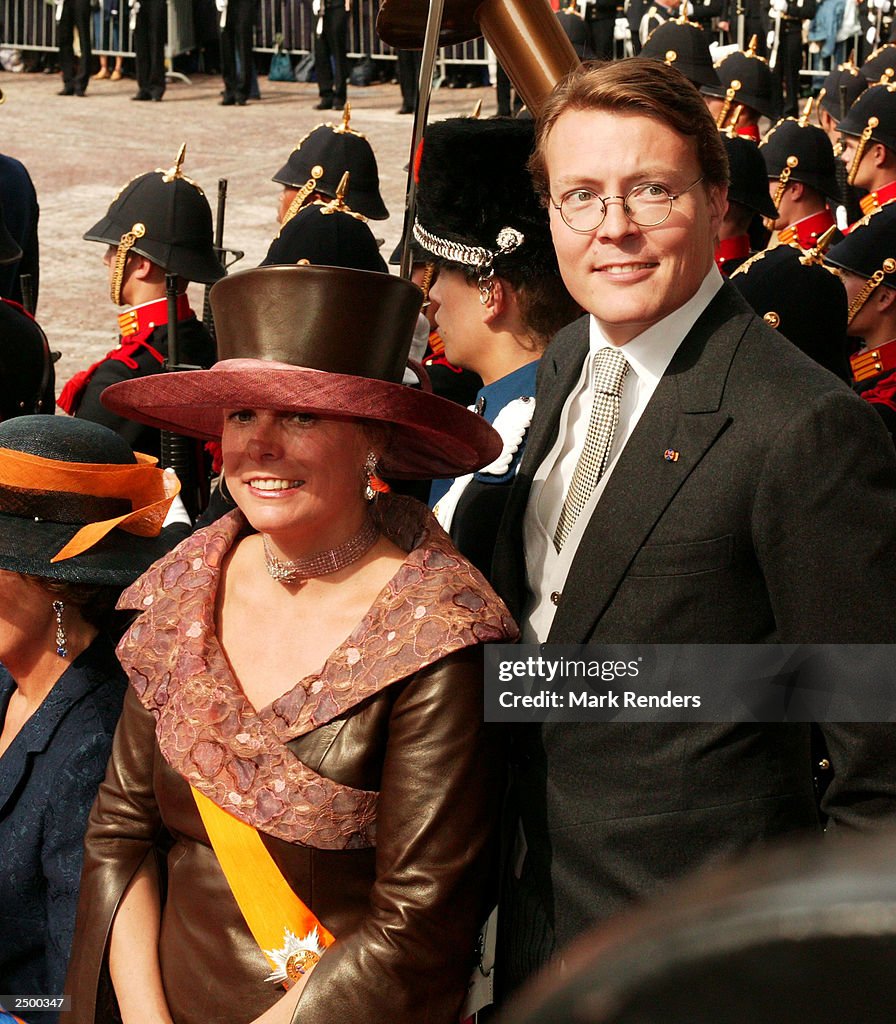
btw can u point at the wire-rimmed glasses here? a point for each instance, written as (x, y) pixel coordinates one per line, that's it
(646, 205)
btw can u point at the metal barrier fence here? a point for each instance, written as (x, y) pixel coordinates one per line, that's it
(31, 25)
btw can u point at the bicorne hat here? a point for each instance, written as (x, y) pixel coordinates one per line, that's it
(323, 340)
(76, 504)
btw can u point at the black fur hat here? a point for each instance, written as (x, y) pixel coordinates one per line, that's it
(476, 205)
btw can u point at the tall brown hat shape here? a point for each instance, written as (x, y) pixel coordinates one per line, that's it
(326, 340)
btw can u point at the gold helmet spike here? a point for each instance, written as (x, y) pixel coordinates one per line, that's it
(177, 170)
(807, 110)
(343, 128)
(477, 110)
(338, 205)
(815, 255)
(751, 49)
(342, 188)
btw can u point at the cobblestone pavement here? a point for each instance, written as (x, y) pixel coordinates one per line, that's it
(80, 151)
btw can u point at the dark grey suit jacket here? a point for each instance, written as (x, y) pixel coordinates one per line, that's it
(777, 523)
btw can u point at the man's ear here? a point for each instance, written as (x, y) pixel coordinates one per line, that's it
(496, 303)
(718, 205)
(140, 267)
(885, 299)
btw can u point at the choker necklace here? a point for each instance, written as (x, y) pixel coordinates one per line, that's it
(323, 562)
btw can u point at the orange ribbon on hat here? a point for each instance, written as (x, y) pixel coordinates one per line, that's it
(141, 483)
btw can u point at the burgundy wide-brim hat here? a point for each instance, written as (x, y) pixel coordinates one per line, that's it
(325, 340)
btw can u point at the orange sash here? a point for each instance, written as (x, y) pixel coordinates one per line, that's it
(289, 935)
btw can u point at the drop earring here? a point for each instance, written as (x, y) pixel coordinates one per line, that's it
(61, 638)
(369, 471)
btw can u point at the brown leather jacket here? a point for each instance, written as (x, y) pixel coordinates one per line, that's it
(405, 913)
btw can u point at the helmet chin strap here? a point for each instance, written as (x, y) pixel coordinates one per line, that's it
(121, 257)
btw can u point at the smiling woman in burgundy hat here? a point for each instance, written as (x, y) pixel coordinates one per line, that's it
(305, 713)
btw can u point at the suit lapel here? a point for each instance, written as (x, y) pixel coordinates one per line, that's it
(683, 416)
(557, 374)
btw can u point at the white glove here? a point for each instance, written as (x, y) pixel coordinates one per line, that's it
(770, 41)
(778, 7)
(881, 5)
(871, 36)
(221, 6)
(316, 8)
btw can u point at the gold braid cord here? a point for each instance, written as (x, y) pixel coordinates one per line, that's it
(299, 199)
(784, 178)
(888, 267)
(730, 93)
(865, 138)
(121, 257)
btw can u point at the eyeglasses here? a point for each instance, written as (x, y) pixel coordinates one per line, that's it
(646, 205)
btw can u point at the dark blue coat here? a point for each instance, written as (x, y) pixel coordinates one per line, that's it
(49, 776)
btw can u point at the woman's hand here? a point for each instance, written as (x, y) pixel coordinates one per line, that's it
(282, 1012)
(134, 951)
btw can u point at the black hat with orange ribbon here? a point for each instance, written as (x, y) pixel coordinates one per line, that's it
(76, 504)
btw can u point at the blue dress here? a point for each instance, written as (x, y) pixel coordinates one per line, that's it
(49, 776)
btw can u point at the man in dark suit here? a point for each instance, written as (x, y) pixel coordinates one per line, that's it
(746, 496)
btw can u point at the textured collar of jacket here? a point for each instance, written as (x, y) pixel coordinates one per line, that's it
(436, 604)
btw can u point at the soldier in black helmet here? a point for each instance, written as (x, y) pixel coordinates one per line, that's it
(316, 166)
(684, 45)
(740, 233)
(746, 91)
(802, 299)
(159, 223)
(866, 260)
(869, 152)
(802, 176)
(327, 234)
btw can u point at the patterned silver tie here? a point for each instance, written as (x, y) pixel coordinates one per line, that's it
(610, 368)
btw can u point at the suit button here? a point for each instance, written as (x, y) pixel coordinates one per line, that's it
(555, 597)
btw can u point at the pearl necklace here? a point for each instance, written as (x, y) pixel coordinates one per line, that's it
(323, 562)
